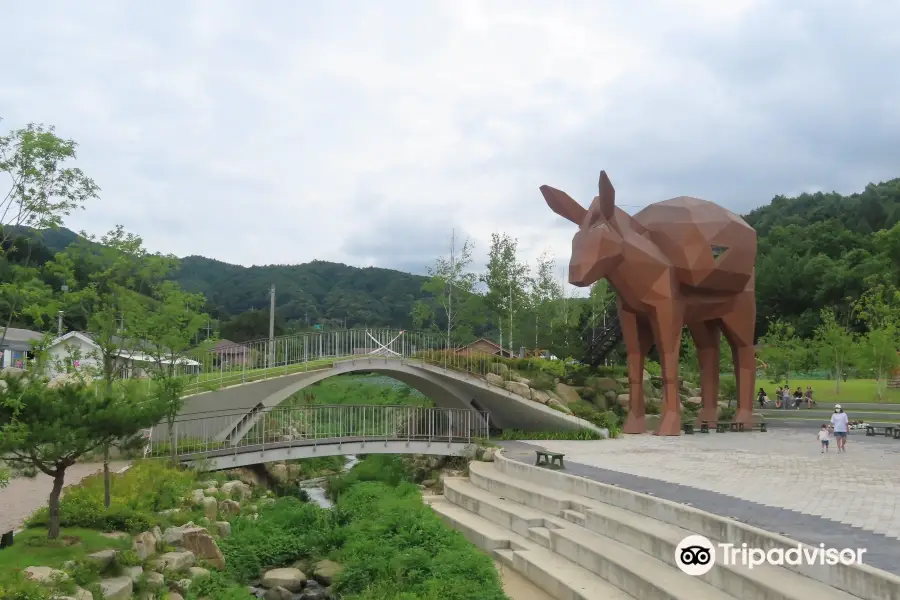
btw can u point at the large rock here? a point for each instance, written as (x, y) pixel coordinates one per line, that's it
(652, 422)
(604, 383)
(649, 390)
(178, 561)
(567, 393)
(102, 558)
(279, 472)
(197, 496)
(229, 507)
(518, 388)
(325, 571)
(278, 593)
(540, 396)
(78, 594)
(224, 528)
(314, 591)
(174, 535)
(134, 572)
(288, 578)
(236, 490)
(204, 547)
(696, 400)
(210, 508)
(117, 588)
(43, 574)
(494, 379)
(553, 403)
(154, 580)
(622, 399)
(195, 572)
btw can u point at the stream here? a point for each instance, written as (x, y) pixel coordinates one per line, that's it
(314, 487)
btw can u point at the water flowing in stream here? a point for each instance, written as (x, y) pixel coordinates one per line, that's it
(314, 488)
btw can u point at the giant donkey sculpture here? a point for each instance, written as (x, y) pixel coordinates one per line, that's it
(680, 262)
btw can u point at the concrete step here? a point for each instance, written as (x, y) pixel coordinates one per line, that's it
(513, 516)
(654, 538)
(660, 539)
(634, 572)
(559, 577)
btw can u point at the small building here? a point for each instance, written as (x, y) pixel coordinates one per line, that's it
(78, 350)
(227, 354)
(16, 349)
(483, 346)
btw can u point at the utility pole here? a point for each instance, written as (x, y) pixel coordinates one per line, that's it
(208, 328)
(59, 316)
(272, 326)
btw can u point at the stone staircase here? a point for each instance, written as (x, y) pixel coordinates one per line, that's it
(583, 540)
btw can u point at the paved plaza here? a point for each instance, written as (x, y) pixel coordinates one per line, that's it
(25, 495)
(782, 468)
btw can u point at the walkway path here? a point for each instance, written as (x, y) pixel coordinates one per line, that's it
(25, 495)
(777, 481)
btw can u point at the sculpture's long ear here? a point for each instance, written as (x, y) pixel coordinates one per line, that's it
(563, 205)
(607, 197)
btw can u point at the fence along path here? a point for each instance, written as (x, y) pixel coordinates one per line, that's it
(227, 365)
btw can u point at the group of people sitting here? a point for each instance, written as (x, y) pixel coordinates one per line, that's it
(784, 398)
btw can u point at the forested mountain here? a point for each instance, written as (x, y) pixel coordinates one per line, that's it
(315, 292)
(825, 250)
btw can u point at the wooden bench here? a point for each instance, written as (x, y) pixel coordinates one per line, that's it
(688, 429)
(897, 432)
(887, 430)
(549, 459)
(723, 426)
(704, 427)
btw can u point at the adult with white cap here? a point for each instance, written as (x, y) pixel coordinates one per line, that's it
(841, 424)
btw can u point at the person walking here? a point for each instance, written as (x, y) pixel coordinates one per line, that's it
(841, 424)
(762, 398)
(823, 437)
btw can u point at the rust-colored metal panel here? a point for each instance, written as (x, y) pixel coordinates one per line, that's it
(676, 263)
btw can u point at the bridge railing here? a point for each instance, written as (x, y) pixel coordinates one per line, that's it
(309, 425)
(214, 368)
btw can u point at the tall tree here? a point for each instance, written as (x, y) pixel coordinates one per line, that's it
(505, 278)
(112, 302)
(879, 309)
(43, 188)
(782, 350)
(545, 290)
(169, 331)
(49, 427)
(451, 285)
(836, 345)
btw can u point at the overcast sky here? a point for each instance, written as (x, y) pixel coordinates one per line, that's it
(363, 132)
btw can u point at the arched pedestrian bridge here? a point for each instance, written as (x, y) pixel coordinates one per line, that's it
(243, 381)
(294, 432)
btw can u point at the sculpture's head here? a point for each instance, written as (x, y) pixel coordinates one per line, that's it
(597, 246)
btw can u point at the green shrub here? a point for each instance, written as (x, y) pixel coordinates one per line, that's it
(653, 367)
(136, 496)
(395, 547)
(387, 468)
(542, 381)
(726, 414)
(651, 406)
(728, 388)
(609, 419)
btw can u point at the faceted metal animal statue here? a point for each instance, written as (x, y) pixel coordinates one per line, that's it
(680, 262)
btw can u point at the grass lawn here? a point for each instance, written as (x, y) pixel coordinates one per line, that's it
(32, 548)
(852, 390)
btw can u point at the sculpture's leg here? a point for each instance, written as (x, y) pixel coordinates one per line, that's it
(707, 338)
(739, 326)
(667, 322)
(638, 340)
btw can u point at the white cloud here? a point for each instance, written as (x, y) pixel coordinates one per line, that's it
(363, 132)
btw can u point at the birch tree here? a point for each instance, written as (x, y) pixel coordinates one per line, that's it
(506, 278)
(451, 285)
(545, 290)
